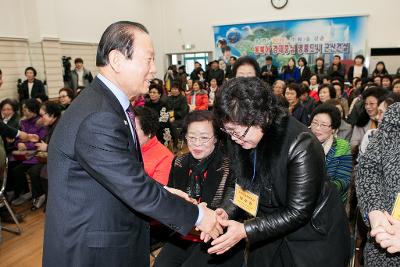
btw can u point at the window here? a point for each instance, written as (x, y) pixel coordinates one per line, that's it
(189, 59)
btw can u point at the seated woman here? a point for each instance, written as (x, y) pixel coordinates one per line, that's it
(345, 130)
(204, 174)
(30, 124)
(198, 97)
(367, 120)
(50, 114)
(9, 115)
(325, 92)
(296, 108)
(65, 96)
(325, 121)
(156, 103)
(294, 217)
(177, 108)
(157, 158)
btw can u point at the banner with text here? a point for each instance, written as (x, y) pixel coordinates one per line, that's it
(309, 38)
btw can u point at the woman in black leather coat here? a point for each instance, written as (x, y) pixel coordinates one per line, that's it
(300, 220)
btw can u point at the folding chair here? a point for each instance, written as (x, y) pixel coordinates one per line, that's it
(3, 199)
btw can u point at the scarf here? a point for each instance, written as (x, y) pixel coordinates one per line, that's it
(197, 175)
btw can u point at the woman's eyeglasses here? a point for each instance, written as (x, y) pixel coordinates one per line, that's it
(196, 140)
(315, 125)
(235, 134)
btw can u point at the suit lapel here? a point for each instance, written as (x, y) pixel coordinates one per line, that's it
(99, 86)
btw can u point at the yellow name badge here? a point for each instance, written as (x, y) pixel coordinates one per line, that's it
(396, 208)
(246, 200)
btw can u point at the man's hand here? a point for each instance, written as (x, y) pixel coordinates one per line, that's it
(209, 225)
(233, 235)
(181, 194)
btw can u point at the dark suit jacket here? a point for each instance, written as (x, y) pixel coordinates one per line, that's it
(37, 89)
(7, 131)
(98, 189)
(269, 79)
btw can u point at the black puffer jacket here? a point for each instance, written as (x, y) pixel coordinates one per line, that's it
(300, 217)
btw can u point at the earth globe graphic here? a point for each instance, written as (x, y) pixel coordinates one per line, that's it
(233, 35)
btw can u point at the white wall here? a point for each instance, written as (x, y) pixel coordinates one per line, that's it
(84, 21)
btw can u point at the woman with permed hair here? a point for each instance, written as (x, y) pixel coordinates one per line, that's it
(294, 216)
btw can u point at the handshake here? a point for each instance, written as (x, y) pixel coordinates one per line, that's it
(212, 226)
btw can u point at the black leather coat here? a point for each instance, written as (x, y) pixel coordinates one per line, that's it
(300, 219)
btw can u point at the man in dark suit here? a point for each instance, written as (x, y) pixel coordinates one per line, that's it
(31, 87)
(98, 191)
(269, 73)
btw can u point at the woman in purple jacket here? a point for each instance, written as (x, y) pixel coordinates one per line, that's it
(30, 124)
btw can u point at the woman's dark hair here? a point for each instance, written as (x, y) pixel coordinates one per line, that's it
(378, 92)
(287, 68)
(303, 59)
(52, 109)
(332, 91)
(118, 36)
(197, 116)
(43, 97)
(391, 99)
(201, 85)
(318, 79)
(336, 102)
(332, 111)
(387, 76)
(247, 60)
(323, 64)
(148, 119)
(246, 101)
(360, 57)
(32, 105)
(157, 87)
(341, 86)
(12, 103)
(68, 91)
(32, 69)
(384, 70)
(295, 87)
(304, 89)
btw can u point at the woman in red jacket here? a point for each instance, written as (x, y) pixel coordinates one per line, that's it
(157, 158)
(198, 98)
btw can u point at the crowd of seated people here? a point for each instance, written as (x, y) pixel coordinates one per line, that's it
(342, 107)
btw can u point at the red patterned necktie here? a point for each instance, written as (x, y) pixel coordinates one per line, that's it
(131, 116)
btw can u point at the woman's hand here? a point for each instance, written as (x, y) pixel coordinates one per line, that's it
(233, 235)
(222, 213)
(378, 222)
(42, 146)
(390, 240)
(21, 146)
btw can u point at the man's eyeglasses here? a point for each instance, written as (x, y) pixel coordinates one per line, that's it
(195, 140)
(235, 134)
